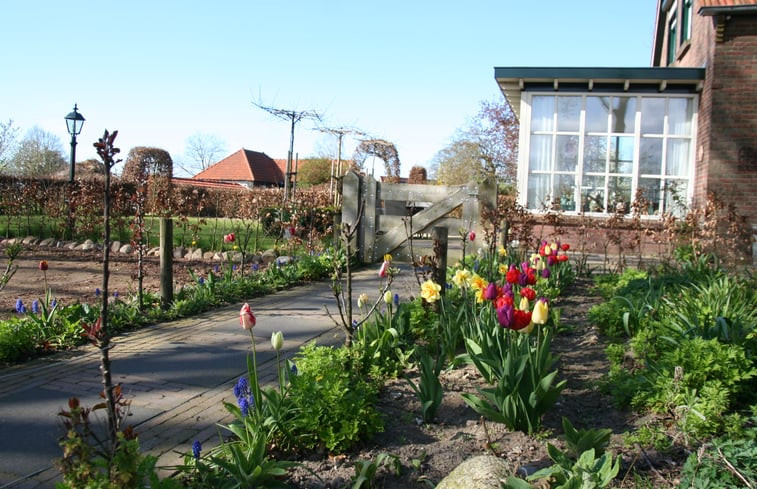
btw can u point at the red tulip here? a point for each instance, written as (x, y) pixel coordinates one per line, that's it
(472, 236)
(43, 265)
(528, 293)
(565, 247)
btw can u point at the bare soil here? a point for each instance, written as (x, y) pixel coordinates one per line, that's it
(72, 276)
(426, 452)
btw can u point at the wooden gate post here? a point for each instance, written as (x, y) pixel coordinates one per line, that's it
(439, 238)
(166, 262)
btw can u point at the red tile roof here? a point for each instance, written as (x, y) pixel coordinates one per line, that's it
(245, 166)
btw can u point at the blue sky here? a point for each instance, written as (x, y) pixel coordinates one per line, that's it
(411, 72)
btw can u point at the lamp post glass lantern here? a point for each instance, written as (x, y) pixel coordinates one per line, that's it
(74, 124)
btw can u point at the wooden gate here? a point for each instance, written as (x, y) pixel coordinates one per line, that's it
(392, 211)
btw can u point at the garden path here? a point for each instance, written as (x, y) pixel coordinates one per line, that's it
(176, 375)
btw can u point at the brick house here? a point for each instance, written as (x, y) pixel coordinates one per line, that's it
(687, 125)
(245, 167)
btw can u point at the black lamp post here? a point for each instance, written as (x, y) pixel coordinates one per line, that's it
(74, 123)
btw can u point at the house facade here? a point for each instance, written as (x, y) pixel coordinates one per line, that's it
(593, 139)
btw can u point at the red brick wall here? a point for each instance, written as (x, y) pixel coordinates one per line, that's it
(732, 155)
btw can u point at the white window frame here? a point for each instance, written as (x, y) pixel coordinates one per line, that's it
(525, 149)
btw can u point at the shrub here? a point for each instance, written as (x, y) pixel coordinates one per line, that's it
(335, 404)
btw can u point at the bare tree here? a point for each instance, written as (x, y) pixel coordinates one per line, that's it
(204, 149)
(39, 154)
(8, 135)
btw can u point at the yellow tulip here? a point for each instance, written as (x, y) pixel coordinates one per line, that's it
(523, 306)
(388, 296)
(541, 312)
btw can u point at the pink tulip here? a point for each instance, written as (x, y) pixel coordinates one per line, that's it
(384, 269)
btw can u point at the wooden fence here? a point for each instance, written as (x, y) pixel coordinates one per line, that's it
(391, 212)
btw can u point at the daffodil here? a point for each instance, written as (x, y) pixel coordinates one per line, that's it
(502, 251)
(430, 291)
(462, 278)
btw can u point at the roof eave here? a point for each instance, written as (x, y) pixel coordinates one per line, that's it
(513, 81)
(728, 10)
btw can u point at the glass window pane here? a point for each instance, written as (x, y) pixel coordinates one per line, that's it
(623, 114)
(597, 110)
(541, 153)
(650, 159)
(568, 113)
(676, 197)
(565, 189)
(542, 112)
(567, 153)
(680, 113)
(652, 115)
(677, 162)
(538, 191)
(595, 154)
(619, 194)
(593, 194)
(650, 191)
(621, 154)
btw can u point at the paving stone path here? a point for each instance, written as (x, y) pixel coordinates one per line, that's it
(176, 375)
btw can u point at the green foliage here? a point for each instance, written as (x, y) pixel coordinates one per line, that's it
(365, 470)
(579, 441)
(723, 462)
(335, 405)
(525, 388)
(588, 472)
(429, 389)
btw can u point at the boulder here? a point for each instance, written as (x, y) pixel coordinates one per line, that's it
(479, 472)
(197, 254)
(47, 242)
(284, 260)
(71, 246)
(257, 258)
(126, 249)
(30, 240)
(268, 256)
(208, 255)
(115, 246)
(179, 252)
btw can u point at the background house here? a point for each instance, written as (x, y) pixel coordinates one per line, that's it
(591, 138)
(245, 167)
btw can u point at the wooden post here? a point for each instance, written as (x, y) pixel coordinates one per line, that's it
(166, 262)
(439, 238)
(337, 227)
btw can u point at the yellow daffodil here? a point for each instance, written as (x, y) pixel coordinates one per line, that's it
(502, 251)
(477, 282)
(430, 291)
(462, 278)
(388, 258)
(502, 269)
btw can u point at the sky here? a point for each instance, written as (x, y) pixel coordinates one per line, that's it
(412, 72)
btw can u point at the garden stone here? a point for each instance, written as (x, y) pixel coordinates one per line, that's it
(197, 254)
(115, 246)
(235, 256)
(479, 472)
(72, 245)
(209, 255)
(284, 260)
(154, 251)
(126, 249)
(257, 258)
(179, 252)
(269, 256)
(30, 240)
(47, 242)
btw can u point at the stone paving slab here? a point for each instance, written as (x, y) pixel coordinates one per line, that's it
(177, 376)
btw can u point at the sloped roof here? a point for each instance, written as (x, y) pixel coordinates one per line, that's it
(244, 166)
